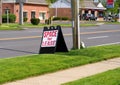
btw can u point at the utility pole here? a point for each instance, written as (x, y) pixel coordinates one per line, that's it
(21, 2)
(75, 23)
(21, 13)
(7, 16)
(0, 12)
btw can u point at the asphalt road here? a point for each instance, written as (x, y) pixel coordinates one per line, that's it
(26, 42)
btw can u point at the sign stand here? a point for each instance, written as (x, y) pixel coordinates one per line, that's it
(52, 40)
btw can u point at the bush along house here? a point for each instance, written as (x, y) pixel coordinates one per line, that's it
(31, 9)
(92, 7)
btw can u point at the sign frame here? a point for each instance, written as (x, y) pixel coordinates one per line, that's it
(59, 43)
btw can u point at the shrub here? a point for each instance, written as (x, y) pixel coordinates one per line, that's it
(35, 21)
(65, 18)
(48, 21)
(25, 19)
(56, 18)
(12, 18)
(4, 18)
(60, 18)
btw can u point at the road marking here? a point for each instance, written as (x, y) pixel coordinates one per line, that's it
(100, 32)
(18, 38)
(108, 44)
(98, 37)
(30, 37)
(34, 31)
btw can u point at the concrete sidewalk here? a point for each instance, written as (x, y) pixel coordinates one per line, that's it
(72, 74)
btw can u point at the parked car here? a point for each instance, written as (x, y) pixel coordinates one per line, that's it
(108, 18)
(89, 17)
(111, 18)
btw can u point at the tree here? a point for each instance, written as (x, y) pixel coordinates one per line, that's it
(118, 2)
(51, 1)
(103, 2)
(114, 10)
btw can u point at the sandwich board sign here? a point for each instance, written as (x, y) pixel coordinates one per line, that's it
(52, 40)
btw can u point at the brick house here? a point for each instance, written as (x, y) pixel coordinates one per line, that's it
(63, 8)
(31, 9)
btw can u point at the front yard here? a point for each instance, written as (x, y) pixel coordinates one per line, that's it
(12, 69)
(111, 77)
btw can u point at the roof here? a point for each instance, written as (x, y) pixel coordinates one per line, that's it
(37, 1)
(87, 4)
(61, 4)
(28, 1)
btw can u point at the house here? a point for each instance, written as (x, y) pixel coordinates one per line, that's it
(63, 8)
(31, 9)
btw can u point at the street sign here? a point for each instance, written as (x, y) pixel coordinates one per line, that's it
(52, 40)
(110, 3)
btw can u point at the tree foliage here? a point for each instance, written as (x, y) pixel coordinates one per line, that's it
(104, 2)
(116, 7)
(113, 10)
(51, 1)
(118, 2)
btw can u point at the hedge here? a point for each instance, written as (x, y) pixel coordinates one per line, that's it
(35, 21)
(12, 18)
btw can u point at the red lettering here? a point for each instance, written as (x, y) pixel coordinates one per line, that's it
(55, 33)
(45, 34)
(48, 43)
(50, 33)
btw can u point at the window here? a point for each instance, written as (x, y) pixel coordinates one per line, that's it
(42, 16)
(100, 14)
(7, 11)
(33, 14)
(25, 14)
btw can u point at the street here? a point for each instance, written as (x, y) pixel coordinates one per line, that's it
(26, 42)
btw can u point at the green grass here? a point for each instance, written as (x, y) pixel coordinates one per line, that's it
(15, 26)
(29, 25)
(111, 77)
(63, 25)
(113, 23)
(21, 67)
(10, 26)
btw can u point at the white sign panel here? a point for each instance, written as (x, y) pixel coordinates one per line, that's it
(49, 38)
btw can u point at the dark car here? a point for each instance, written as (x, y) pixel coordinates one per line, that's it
(92, 17)
(108, 18)
(111, 18)
(89, 17)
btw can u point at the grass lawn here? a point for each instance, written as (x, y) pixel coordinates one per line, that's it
(10, 26)
(63, 25)
(15, 26)
(25, 66)
(111, 77)
(113, 23)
